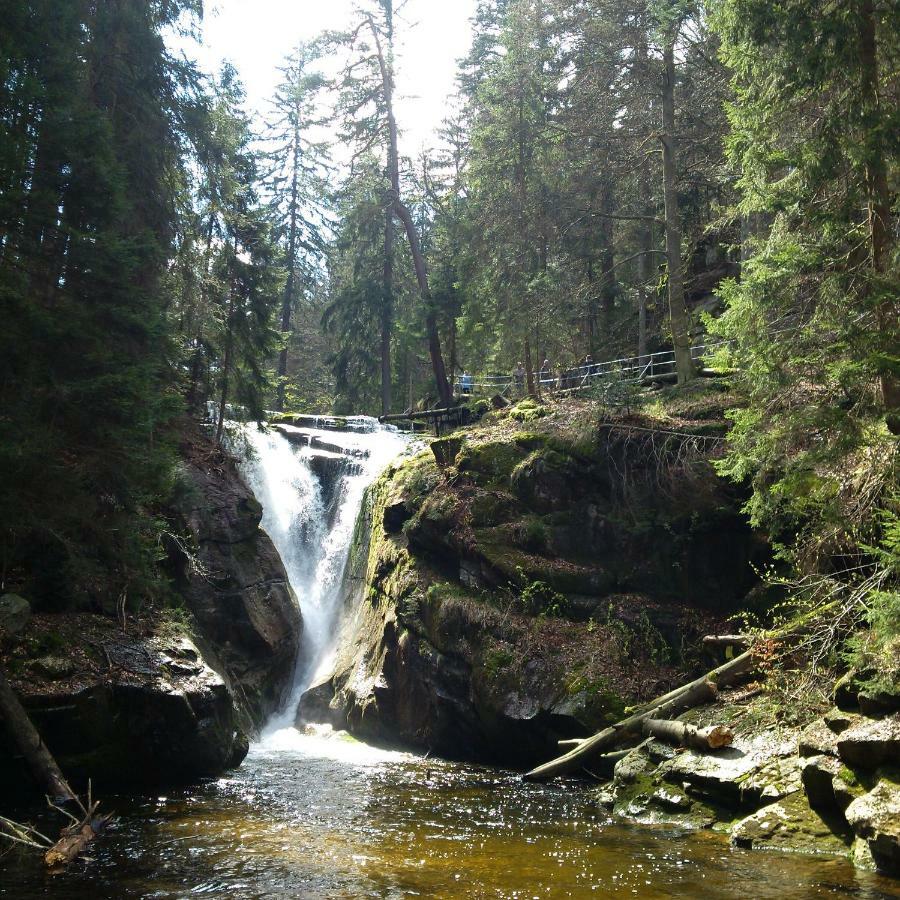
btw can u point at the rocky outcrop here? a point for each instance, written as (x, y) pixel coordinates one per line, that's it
(121, 709)
(15, 611)
(831, 787)
(495, 611)
(232, 578)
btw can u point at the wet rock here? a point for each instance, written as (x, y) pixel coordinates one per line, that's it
(755, 767)
(789, 824)
(317, 705)
(127, 727)
(631, 767)
(246, 613)
(870, 743)
(875, 818)
(670, 798)
(839, 720)
(446, 450)
(15, 613)
(862, 690)
(395, 516)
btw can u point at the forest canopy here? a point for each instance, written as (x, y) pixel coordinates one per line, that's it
(615, 178)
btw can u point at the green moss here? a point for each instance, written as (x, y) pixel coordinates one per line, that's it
(496, 661)
(528, 411)
(495, 460)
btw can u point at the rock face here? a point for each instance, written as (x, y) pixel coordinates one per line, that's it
(236, 587)
(15, 611)
(831, 787)
(499, 604)
(122, 709)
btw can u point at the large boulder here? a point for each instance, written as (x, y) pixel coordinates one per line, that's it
(875, 817)
(126, 710)
(426, 661)
(15, 611)
(871, 742)
(235, 584)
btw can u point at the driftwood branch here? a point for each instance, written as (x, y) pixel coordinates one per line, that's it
(631, 729)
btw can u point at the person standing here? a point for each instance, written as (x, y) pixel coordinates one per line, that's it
(519, 379)
(545, 372)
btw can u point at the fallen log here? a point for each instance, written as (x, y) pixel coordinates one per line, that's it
(34, 751)
(681, 734)
(727, 640)
(668, 706)
(84, 828)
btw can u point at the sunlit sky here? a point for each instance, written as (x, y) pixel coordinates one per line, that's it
(256, 35)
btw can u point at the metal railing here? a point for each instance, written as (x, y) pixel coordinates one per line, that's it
(627, 368)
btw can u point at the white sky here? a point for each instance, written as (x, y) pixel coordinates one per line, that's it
(256, 35)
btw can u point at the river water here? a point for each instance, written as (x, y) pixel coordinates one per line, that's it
(320, 815)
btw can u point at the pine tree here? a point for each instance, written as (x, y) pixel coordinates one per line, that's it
(294, 179)
(89, 98)
(814, 316)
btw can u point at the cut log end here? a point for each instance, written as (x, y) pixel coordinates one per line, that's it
(717, 736)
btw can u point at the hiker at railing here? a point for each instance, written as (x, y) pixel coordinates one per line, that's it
(519, 379)
(546, 372)
(466, 383)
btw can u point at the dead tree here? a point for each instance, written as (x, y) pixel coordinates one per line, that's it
(631, 730)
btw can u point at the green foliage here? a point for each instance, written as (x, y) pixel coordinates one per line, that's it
(88, 152)
(538, 599)
(812, 323)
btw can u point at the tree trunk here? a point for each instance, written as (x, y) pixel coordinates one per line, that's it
(675, 702)
(226, 367)
(681, 734)
(608, 283)
(387, 310)
(287, 306)
(879, 200)
(25, 736)
(529, 370)
(445, 394)
(678, 313)
(645, 267)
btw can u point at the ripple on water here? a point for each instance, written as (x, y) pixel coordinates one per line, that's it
(319, 815)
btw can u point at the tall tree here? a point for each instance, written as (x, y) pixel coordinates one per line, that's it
(367, 89)
(294, 179)
(90, 101)
(814, 316)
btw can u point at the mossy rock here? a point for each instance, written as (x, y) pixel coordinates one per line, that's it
(446, 450)
(519, 567)
(489, 508)
(495, 460)
(528, 410)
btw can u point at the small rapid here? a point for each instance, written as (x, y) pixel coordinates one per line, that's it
(311, 482)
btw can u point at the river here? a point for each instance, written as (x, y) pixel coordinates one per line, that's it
(323, 816)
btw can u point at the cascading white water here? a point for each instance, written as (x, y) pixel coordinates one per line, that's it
(311, 523)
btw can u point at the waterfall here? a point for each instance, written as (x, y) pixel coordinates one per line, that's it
(311, 481)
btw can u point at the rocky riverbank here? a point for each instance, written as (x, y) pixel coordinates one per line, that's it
(831, 785)
(171, 692)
